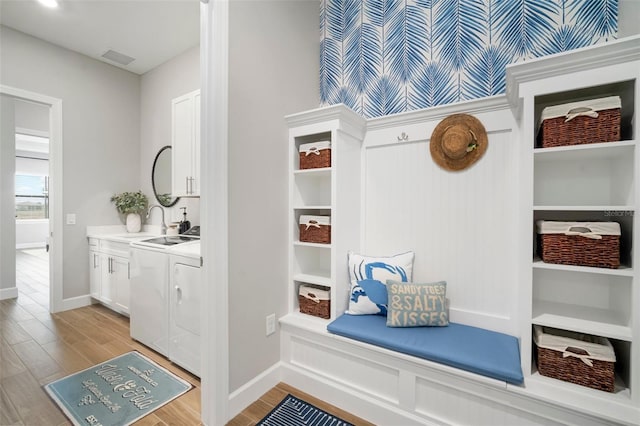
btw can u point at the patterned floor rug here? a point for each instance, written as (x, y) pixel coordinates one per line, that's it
(116, 392)
(293, 412)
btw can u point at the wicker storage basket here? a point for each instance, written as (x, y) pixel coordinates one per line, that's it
(592, 121)
(579, 243)
(315, 229)
(315, 155)
(577, 358)
(314, 301)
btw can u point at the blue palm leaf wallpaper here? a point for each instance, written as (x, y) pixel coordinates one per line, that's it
(382, 57)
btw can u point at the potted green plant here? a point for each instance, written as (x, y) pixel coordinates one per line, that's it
(131, 204)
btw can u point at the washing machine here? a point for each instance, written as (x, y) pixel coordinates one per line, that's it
(185, 305)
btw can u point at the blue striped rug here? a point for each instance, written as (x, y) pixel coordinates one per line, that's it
(293, 412)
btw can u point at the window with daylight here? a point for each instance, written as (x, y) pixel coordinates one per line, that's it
(32, 197)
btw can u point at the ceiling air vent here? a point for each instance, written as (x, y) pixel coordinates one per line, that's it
(118, 57)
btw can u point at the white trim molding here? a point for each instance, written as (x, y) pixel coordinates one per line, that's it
(214, 60)
(251, 391)
(55, 189)
(8, 293)
(76, 302)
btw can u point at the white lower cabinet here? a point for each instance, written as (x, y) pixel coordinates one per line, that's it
(184, 313)
(109, 273)
(120, 282)
(95, 272)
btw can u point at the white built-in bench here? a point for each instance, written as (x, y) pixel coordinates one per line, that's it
(389, 387)
(473, 349)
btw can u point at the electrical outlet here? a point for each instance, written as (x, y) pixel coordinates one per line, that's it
(271, 324)
(71, 218)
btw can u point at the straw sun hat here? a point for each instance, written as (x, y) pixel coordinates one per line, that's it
(458, 141)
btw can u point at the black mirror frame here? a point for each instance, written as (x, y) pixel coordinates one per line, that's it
(153, 181)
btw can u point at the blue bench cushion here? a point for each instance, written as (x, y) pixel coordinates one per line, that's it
(480, 351)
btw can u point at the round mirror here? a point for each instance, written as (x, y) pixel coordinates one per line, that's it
(161, 177)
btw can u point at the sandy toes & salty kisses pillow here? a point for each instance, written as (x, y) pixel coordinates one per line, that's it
(417, 305)
(369, 274)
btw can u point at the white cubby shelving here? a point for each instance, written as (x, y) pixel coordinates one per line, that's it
(591, 182)
(329, 191)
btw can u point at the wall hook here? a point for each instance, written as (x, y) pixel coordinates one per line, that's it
(403, 137)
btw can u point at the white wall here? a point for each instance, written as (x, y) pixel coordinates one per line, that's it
(7, 203)
(273, 71)
(32, 116)
(158, 87)
(628, 14)
(100, 109)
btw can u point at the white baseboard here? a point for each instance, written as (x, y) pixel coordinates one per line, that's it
(254, 389)
(8, 293)
(76, 302)
(30, 246)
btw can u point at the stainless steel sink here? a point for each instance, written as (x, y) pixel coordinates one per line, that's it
(169, 240)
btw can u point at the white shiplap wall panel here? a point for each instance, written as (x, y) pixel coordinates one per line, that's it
(346, 369)
(459, 224)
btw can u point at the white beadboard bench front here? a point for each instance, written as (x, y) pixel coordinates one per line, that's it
(391, 388)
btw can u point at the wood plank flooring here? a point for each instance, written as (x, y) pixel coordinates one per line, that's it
(37, 347)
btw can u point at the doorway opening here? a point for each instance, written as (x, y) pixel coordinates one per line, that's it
(32, 204)
(35, 150)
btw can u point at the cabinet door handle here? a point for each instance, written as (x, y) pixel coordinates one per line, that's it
(179, 293)
(128, 270)
(186, 181)
(111, 265)
(94, 261)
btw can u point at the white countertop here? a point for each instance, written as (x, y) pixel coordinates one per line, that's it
(190, 249)
(118, 233)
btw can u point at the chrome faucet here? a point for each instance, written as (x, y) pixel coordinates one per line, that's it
(163, 227)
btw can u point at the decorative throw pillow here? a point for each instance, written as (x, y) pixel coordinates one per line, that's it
(396, 267)
(368, 297)
(416, 305)
(368, 274)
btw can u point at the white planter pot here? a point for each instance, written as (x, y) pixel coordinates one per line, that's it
(134, 223)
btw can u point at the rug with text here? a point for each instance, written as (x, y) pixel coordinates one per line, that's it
(116, 392)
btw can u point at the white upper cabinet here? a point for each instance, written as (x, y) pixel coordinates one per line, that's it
(185, 141)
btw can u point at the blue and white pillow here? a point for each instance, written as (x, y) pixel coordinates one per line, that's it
(368, 297)
(368, 277)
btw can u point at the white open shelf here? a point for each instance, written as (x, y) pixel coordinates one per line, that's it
(318, 278)
(318, 245)
(561, 390)
(582, 319)
(312, 187)
(312, 207)
(623, 270)
(596, 208)
(586, 151)
(321, 172)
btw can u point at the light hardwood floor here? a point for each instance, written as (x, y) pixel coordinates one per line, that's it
(37, 347)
